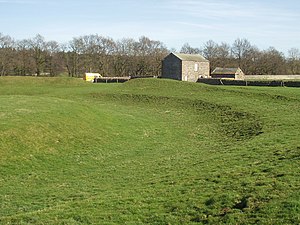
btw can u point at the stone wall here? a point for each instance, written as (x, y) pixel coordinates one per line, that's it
(239, 75)
(171, 67)
(266, 83)
(272, 77)
(191, 71)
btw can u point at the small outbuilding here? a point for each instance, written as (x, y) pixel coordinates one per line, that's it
(186, 67)
(228, 73)
(91, 76)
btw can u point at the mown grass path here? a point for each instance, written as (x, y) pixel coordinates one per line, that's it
(147, 151)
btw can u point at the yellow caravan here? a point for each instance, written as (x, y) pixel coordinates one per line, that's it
(91, 76)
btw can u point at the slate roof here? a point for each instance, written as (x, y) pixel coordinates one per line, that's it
(227, 71)
(190, 57)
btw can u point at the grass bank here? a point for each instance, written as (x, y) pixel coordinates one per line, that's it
(147, 151)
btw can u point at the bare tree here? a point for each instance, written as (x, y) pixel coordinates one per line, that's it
(6, 54)
(125, 51)
(210, 50)
(272, 62)
(25, 64)
(72, 52)
(186, 48)
(252, 65)
(223, 57)
(147, 57)
(53, 58)
(240, 49)
(128, 57)
(106, 49)
(38, 52)
(293, 60)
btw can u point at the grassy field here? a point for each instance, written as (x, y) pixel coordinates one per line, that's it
(148, 151)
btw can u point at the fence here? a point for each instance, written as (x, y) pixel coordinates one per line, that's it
(111, 79)
(271, 83)
(272, 77)
(118, 79)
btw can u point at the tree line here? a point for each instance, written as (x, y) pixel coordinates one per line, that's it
(248, 57)
(129, 57)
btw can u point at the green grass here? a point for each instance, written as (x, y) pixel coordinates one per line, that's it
(148, 151)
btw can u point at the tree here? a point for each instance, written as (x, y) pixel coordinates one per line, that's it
(187, 49)
(147, 57)
(223, 57)
(125, 49)
(6, 54)
(240, 49)
(24, 63)
(95, 53)
(38, 52)
(103, 57)
(293, 60)
(53, 58)
(129, 57)
(210, 50)
(72, 52)
(252, 65)
(272, 62)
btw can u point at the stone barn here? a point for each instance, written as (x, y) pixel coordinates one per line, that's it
(228, 73)
(186, 67)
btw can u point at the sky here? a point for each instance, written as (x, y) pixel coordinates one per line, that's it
(265, 23)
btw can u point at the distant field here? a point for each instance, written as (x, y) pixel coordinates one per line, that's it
(149, 151)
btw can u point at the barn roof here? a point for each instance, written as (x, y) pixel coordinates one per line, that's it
(220, 70)
(190, 57)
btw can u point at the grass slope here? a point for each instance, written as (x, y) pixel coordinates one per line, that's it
(147, 151)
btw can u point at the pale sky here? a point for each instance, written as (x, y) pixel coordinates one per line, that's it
(264, 23)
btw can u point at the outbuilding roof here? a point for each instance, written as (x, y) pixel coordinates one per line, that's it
(220, 70)
(190, 57)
